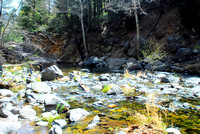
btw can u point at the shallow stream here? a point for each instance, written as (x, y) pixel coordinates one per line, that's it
(181, 99)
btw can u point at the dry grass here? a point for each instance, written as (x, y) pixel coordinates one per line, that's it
(128, 91)
(16, 89)
(140, 73)
(127, 74)
(148, 121)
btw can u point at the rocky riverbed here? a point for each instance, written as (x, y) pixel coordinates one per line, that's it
(82, 101)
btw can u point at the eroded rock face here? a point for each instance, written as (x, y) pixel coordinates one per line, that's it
(133, 47)
(51, 73)
(77, 114)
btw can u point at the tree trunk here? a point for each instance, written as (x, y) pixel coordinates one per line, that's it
(49, 4)
(83, 30)
(94, 6)
(10, 17)
(137, 26)
(89, 14)
(1, 23)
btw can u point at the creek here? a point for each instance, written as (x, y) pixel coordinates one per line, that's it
(180, 97)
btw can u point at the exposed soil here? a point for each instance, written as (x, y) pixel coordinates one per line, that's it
(158, 24)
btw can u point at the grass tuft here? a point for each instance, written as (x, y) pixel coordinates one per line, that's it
(151, 116)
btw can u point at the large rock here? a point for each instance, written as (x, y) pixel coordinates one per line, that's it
(28, 113)
(93, 62)
(115, 89)
(51, 73)
(182, 52)
(53, 102)
(61, 122)
(77, 114)
(156, 66)
(116, 62)
(39, 87)
(33, 98)
(133, 64)
(104, 77)
(111, 41)
(9, 127)
(55, 129)
(5, 109)
(173, 47)
(6, 93)
(133, 47)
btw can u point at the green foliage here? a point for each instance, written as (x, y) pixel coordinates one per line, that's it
(13, 36)
(33, 16)
(51, 119)
(152, 51)
(106, 88)
(90, 76)
(56, 23)
(74, 78)
(60, 108)
(58, 105)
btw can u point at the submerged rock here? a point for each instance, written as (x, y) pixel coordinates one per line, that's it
(94, 122)
(98, 103)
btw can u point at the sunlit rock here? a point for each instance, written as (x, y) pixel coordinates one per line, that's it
(77, 114)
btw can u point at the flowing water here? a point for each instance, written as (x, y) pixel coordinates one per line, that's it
(183, 108)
